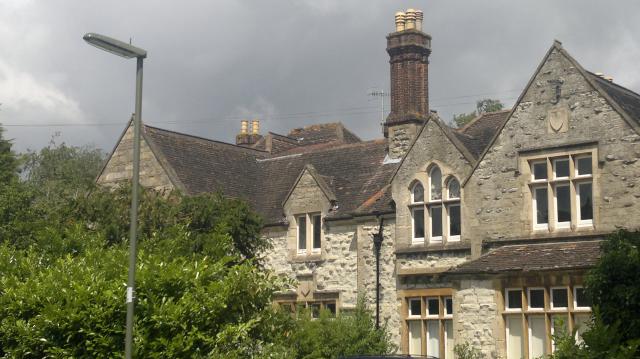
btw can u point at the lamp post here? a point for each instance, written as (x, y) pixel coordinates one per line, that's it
(377, 246)
(128, 51)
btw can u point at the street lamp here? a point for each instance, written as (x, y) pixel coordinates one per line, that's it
(128, 51)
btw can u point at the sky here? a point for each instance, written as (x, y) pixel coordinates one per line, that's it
(287, 63)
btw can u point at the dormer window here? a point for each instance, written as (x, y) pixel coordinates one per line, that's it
(438, 219)
(309, 233)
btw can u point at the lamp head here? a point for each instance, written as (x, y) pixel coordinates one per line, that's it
(114, 46)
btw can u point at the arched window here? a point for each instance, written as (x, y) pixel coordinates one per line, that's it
(418, 193)
(417, 212)
(437, 219)
(453, 189)
(435, 182)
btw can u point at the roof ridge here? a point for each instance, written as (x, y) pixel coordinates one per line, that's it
(204, 139)
(327, 148)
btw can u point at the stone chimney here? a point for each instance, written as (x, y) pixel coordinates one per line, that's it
(409, 49)
(244, 138)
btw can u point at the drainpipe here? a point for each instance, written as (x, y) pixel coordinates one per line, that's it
(377, 244)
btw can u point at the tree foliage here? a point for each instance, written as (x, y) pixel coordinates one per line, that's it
(59, 171)
(482, 106)
(8, 161)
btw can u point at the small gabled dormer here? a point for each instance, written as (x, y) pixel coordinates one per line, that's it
(305, 207)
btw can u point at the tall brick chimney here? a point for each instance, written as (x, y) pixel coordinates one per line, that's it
(409, 49)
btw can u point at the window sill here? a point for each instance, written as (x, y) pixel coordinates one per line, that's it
(439, 247)
(302, 258)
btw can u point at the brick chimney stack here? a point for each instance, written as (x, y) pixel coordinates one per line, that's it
(409, 49)
(246, 139)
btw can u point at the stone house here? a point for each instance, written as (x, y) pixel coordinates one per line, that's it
(487, 230)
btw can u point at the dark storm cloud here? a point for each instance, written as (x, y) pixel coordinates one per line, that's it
(289, 63)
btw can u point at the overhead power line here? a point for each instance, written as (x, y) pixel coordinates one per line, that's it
(348, 111)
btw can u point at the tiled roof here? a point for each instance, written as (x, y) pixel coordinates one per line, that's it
(354, 172)
(323, 133)
(203, 165)
(625, 98)
(477, 134)
(534, 257)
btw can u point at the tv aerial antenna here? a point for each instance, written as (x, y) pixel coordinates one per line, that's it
(382, 94)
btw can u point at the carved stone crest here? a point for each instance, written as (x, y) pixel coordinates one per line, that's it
(305, 286)
(558, 120)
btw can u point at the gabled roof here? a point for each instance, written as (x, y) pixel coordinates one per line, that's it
(353, 172)
(622, 100)
(320, 182)
(534, 257)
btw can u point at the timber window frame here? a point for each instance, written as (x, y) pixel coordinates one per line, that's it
(436, 209)
(562, 190)
(529, 331)
(309, 233)
(428, 322)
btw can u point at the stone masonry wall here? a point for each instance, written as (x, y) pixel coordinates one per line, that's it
(400, 138)
(389, 302)
(120, 166)
(500, 197)
(475, 318)
(427, 260)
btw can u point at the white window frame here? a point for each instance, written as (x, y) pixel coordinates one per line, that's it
(309, 250)
(413, 188)
(551, 304)
(534, 208)
(540, 180)
(452, 237)
(426, 309)
(575, 164)
(440, 238)
(558, 224)
(575, 299)
(529, 308)
(418, 240)
(302, 251)
(507, 309)
(444, 306)
(583, 222)
(412, 316)
(555, 160)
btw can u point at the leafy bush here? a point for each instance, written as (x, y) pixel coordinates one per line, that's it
(347, 334)
(466, 351)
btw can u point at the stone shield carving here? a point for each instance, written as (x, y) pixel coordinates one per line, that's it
(558, 120)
